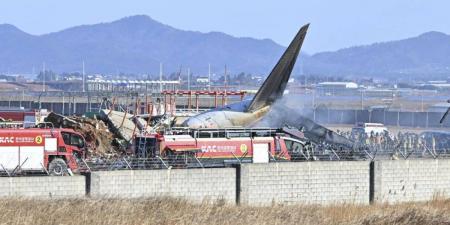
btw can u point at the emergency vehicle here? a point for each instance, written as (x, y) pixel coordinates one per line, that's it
(369, 128)
(258, 145)
(30, 150)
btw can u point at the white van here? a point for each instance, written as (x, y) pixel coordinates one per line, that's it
(369, 127)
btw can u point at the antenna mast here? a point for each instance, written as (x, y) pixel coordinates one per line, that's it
(43, 77)
(209, 76)
(225, 78)
(160, 77)
(189, 78)
(84, 79)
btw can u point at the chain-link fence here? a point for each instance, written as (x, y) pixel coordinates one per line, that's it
(363, 152)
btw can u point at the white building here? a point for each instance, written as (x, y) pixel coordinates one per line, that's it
(333, 88)
(339, 85)
(202, 80)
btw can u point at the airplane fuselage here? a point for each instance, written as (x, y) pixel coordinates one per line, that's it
(229, 116)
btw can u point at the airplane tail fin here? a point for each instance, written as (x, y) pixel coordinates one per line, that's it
(275, 84)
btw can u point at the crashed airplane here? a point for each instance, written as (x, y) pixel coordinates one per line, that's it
(249, 111)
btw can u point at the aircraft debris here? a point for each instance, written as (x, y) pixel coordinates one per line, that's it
(96, 133)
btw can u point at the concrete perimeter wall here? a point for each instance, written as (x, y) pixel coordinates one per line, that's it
(411, 180)
(192, 184)
(305, 183)
(43, 186)
(335, 182)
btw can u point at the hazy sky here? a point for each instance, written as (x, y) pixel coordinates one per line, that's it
(334, 23)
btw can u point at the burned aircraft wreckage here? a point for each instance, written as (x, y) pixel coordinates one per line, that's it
(248, 112)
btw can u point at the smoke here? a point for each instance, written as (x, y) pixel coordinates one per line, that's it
(288, 111)
(283, 112)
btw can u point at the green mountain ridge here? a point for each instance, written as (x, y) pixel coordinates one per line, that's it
(138, 44)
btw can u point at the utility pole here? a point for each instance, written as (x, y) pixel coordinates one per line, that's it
(63, 103)
(225, 78)
(209, 76)
(160, 77)
(43, 77)
(84, 79)
(189, 78)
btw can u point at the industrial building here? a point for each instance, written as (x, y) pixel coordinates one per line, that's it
(336, 88)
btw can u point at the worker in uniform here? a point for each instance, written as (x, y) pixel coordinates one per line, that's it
(395, 142)
(372, 140)
(416, 143)
(404, 142)
(366, 139)
(378, 141)
(422, 145)
(409, 146)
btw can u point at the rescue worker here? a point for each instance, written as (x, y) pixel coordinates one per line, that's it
(409, 146)
(404, 141)
(378, 141)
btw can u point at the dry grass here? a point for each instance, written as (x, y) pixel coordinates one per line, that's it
(170, 211)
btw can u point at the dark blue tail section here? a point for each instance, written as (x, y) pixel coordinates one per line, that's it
(275, 84)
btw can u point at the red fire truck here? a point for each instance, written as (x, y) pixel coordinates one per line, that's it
(259, 145)
(40, 149)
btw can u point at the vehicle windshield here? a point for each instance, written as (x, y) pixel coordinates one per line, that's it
(73, 139)
(293, 146)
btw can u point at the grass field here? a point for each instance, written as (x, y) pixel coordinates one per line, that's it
(171, 211)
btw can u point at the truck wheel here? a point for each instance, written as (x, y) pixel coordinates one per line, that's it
(57, 167)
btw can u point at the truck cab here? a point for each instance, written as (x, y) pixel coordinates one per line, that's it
(56, 151)
(297, 149)
(72, 149)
